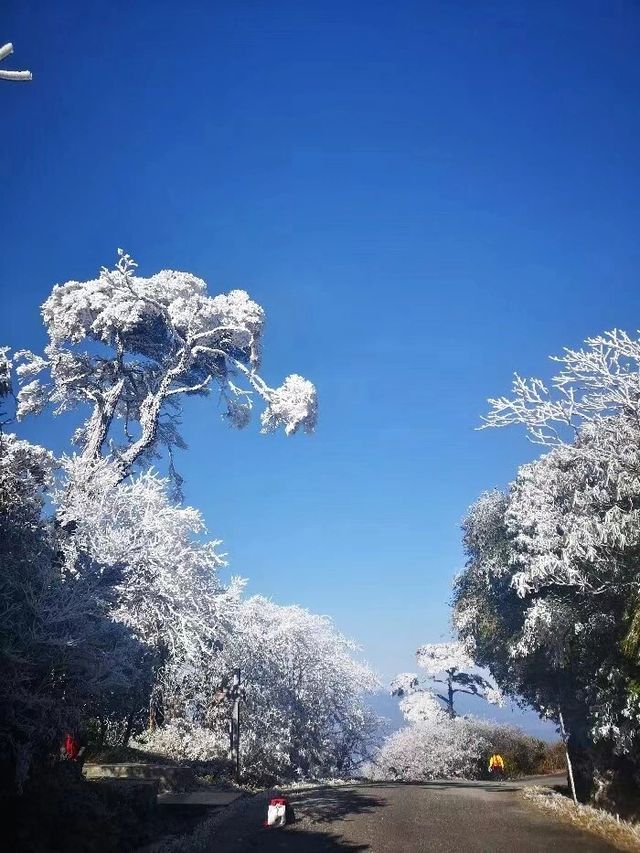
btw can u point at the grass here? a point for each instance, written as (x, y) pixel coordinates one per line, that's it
(620, 833)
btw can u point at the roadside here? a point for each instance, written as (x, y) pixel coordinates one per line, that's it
(621, 833)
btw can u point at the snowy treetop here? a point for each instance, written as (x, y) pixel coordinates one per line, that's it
(131, 348)
(436, 658)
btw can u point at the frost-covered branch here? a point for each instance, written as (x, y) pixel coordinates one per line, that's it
(7, 50)
(160, 338)
(596, 382)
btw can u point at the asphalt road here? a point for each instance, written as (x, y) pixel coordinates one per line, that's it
(438, 817)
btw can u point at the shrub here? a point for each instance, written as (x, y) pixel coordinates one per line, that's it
(554, 759)
(523, 754)
(182, 740)
(433, 749)
(443, 747)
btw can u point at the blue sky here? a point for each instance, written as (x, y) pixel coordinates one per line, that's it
(424, 196)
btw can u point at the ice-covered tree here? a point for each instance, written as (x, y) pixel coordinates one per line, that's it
(61, 656)
(5, 384)
(304, 712)
(440, 747)
(131, 348)
(436, 745)
(593, 383)
(168, 586)
(167, 592)
(125, 351)
(447, 668)
(550, 595)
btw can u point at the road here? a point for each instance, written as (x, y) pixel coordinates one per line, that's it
(435, 817)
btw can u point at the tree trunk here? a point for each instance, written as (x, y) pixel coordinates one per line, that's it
(100, 421)
(156, 711)
(450, 709)
(103, 733)
(128, 729)
(580, 751)
(616, 787)
(149, 416)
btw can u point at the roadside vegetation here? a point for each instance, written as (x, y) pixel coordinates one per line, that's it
(548, 600)
(439, 743)
(620, 834)
(117, 629)
(460, 748)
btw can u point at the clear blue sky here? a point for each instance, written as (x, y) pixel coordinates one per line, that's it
(425, 196)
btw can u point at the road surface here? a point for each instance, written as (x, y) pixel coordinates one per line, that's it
(435, 817)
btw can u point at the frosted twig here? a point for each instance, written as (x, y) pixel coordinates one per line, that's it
(7, 50)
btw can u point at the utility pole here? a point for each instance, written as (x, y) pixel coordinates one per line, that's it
(234, 725)
(565, 741)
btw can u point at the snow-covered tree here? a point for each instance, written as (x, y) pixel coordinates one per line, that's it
(125, 351)
(303, 709)
(180, 739)
(437, 743)
(304, 712)
(304, 686)
(549, 650)
(447, 668)
(5, 74)
(131, 348)
(166, 587)
(5, 383)
(550, 597)
(440, 747)
(61, 656)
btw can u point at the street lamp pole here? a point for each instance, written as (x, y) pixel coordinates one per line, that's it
(234, 728)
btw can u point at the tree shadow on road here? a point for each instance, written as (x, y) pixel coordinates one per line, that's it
(303, 841)
(491, 787)
(328, 804)
(445, 784)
